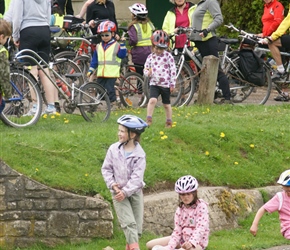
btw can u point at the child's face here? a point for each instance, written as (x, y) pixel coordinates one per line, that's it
(106, 36)
(123, 134)
(287, 190)
(158, 51)
(187, 198)
(3, 39)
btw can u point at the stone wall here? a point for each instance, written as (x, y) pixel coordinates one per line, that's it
(31, 212)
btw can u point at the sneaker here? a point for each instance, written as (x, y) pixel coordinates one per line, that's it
(149, 121)
(282, 98)
(50, 110)
(32, 111)
(168, 124)
(280, 77)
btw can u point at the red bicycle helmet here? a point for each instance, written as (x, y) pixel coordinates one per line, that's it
(160, 39)
(107, 26)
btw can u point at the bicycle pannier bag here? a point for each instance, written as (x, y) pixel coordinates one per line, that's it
(251, 67)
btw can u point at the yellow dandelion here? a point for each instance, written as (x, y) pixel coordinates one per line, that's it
(236, 163)
(222, 135)
(161, 133)
(86, 175)
(173, 125)
(52, 117)
(186, 116)
(36, 170)
(208, 110)
(178, 114)
(57, 114)
(162, 138)
(206, 153)
(44, 116)
(165, 136)
(174, 122)
(252, 145)
(66, 121)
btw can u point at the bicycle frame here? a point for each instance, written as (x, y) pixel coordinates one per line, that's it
(40, 64)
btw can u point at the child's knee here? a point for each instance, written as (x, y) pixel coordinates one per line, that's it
(286, 234)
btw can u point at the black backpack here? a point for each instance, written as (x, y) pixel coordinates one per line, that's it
(251, 67)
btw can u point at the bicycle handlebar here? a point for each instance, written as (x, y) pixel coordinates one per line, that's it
(245, 34)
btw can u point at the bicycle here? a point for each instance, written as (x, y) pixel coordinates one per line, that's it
(277, 84)
(240, 89)
(91, 99)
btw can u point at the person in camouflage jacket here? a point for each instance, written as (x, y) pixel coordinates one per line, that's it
(5, 87)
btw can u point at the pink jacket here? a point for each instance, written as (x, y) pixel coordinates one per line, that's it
(191, 224)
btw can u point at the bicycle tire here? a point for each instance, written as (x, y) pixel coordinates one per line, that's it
(131, 90)
(94, 102)
(65, 54)
(83, 63)
(65, 66)
(189, 85)
(25, 93)
(244, 92)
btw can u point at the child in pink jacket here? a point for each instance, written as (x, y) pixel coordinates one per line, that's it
(191, 220)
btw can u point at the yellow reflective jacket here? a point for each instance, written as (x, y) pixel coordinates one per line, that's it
(283, 27)
(144, 36)
(108, 61)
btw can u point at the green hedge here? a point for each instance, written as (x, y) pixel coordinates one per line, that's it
(244, 14)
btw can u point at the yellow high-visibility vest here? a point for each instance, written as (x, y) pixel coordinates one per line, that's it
(108, 62)
(142, 36)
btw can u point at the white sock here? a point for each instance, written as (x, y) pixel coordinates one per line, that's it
(281, 69)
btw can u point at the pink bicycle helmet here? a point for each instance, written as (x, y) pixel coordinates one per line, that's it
(107, 26)
(186, 184)
(139, 10)
(160, 39)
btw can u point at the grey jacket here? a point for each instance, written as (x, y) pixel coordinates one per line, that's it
(207, 15)
(29, 13)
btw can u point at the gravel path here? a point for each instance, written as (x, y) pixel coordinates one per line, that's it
(279, 248)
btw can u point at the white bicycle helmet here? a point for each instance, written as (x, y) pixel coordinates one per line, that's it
(186, 184)
(133, 123)
(284, 179)
(139, 10)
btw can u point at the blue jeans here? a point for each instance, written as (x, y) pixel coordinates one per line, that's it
(108, 84)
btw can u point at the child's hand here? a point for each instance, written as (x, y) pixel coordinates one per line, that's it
(89, 73)
(187, 245)
(254, 230)
(171, 89)
(120, 195)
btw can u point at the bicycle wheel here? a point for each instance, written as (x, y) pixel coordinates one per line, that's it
(94, 102)
(245, 92)
(65, 54)
(188, 84)
(83, 63)
(25, 96)
(131, 90)
(65, 66)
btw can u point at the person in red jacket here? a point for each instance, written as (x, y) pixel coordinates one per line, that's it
(272, 17)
